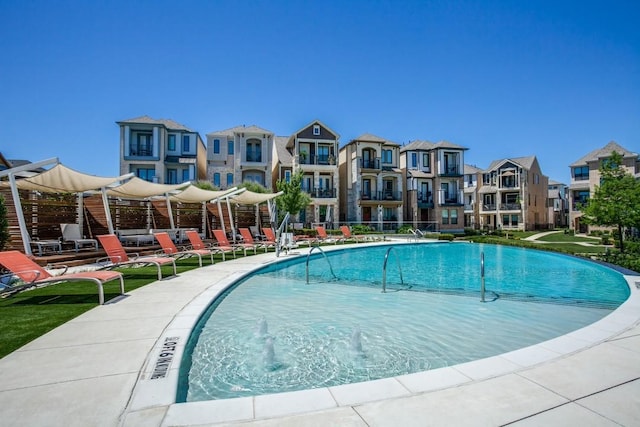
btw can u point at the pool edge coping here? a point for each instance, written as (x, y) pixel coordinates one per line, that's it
(160, 393)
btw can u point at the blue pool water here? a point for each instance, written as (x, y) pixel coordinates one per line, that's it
(273, 332)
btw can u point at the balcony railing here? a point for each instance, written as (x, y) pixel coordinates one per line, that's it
(381, 195)
(315, 159)
(370, 163)
(451, 171)
(489, 207)
(510, 206)
(140, 151)
(254, 155)
(450, 198)
(323, 193)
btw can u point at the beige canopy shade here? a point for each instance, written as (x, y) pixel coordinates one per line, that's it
(193, 194)
(137, 188)
(58, 179)
(251, 198)
(61, 179)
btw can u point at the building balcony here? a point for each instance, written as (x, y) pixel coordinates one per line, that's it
(323, 193)
(381, 195)
(450, 198)
(451, 171)
(370, 163)
(488, 207)
(510, 206)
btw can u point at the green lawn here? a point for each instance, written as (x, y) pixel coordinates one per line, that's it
(561, 237)
(30, 314)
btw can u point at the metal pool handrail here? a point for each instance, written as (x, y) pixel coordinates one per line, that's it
(384, 269)
(325, 257)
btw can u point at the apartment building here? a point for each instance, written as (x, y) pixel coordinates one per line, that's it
(433, 173)
(471, 211)
(558, 204)
(312, 149)
(239, 154)
(585, 176)
(371, 184)
(513, 195)
(161, 151)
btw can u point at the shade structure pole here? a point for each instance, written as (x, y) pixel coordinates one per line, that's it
(170, 212)
(26, 239)
(233, 229)
(221, 217)
(107, 211)
(80, 203)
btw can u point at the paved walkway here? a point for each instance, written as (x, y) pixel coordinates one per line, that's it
(97, 370)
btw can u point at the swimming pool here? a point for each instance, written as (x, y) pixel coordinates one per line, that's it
(272, 332)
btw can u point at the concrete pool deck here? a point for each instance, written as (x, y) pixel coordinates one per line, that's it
(116, 366)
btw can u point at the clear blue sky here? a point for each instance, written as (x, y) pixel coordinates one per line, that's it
(555, 79)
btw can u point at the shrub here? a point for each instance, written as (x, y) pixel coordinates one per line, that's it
(360, 229)
(404, 229)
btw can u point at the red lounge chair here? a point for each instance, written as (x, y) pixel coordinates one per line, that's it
(198, 244)
(324, 237)
(248, 238)
(118, 257)
(170, 249)
(270, 236)
(33, 275)
(223, 242)
(346, 232)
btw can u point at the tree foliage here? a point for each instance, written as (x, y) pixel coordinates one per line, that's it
(205, 185)
(293, 199)
(4, 223)
(616, 202)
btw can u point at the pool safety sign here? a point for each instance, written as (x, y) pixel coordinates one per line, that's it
(165, 358)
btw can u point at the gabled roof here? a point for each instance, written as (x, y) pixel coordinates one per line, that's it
(241, 129)
(168, 123)
(426, 145)
(471, 169)
(447, 144)
(369, 137)
(603, 153)
(526, 162)
(418, 145)
(284, 156)
(292, 138)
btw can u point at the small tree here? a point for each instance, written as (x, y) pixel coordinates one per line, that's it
(293, 199)
(4, 224)
(616, 202)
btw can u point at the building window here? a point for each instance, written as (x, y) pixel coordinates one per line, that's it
(143, 146)
(323, 155)
(414, 160)
(216, 180)
(581, 173)
(445, 216)
(172, 176)
(287, 176)
(185, 143)
(216, 146)
(454, 216)
(185, 175)
(316, 130)
(387, 156)
(171, 146)
(426, 161)
(229, 180)
(146, 174)
(254, 150)
(514, 220)
(230, 147)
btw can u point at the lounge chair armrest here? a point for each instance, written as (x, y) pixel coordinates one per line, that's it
(64, 268)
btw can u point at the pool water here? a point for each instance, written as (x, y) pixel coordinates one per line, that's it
(273, 332)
